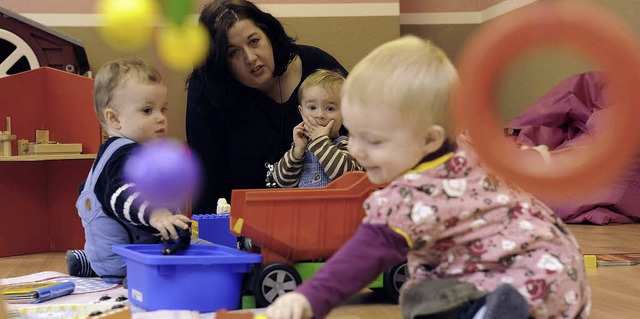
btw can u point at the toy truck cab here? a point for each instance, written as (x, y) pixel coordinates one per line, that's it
(296, 229)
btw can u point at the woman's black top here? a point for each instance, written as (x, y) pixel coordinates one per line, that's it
(235, 142)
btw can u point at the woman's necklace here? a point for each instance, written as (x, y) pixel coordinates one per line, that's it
(269, 180)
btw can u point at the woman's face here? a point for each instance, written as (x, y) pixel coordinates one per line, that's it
(250, 55)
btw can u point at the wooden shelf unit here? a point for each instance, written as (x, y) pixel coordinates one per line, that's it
(39, 158)
(38, 193)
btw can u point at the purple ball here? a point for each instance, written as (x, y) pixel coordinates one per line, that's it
(164, 171)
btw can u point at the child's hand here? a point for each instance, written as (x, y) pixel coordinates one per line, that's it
(165, 221)
(313, 129)
(300, 141)
(543, 150)
(292, 305)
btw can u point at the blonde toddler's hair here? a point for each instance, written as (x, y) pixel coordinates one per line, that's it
(113, 75)
(409, 74)
(331, 81)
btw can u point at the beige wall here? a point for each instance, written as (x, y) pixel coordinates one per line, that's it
(348, 40)
(448, 23)
(347, 29)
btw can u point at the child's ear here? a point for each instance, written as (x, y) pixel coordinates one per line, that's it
(111, 115)
(434, 137)
(299, 108)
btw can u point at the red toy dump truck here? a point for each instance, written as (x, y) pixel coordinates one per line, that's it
(296, 229)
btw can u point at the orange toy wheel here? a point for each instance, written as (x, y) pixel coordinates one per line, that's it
(586, 28)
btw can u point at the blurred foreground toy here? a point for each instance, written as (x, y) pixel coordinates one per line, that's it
(183, 47)
(223, 314)
(129, 25)
(3, 309)
(165, 172)
(582, 26)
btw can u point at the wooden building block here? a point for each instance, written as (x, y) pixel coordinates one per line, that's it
(590, 261)
(23, 147)
(49, 149)
(5, 144)
(8, 125)
(42, 136)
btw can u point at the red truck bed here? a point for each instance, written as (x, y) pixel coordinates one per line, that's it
(300, 224)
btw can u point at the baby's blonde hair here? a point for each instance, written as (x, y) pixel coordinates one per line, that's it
(114, 74)
(331, 81)
(409, 74)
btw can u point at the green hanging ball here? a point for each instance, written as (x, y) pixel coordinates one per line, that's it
(177, 11)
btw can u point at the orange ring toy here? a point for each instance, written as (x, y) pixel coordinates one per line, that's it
(587, 28)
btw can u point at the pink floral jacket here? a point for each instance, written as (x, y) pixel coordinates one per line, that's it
(461, 222)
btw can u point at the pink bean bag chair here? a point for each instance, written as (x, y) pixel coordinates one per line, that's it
(564, 117)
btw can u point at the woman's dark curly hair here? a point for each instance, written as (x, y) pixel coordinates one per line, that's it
(217, 83)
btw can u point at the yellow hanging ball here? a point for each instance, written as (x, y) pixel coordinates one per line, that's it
(127, 25)
(183, 47)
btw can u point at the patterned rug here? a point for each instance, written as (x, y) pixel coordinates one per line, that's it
(90, 295)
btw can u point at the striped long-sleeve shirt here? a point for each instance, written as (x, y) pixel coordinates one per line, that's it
(332, 156)
(118, 198)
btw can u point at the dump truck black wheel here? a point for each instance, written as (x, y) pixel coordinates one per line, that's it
(273, 281)
(393, 279)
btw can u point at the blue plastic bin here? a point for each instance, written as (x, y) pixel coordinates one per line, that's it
(215, 229)
(205, 278)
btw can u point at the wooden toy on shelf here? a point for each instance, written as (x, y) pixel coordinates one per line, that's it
(23, 147)
(40, 191)
(43, 146)
(5, 139)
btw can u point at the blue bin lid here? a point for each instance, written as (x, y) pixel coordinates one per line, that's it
(195, 254)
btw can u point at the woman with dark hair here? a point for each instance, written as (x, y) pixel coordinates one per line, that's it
(242, 102)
